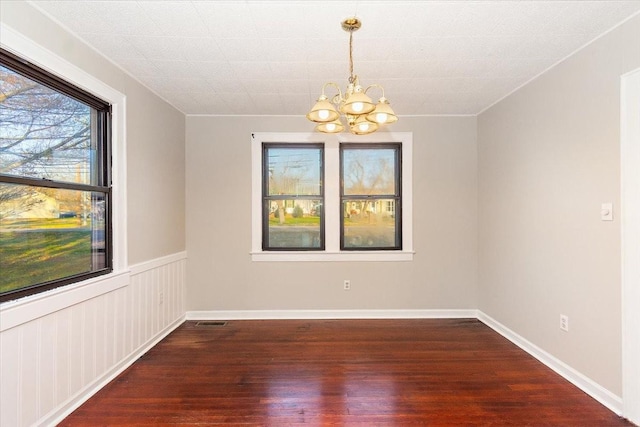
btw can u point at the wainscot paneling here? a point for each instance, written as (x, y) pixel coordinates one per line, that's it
(52, 360)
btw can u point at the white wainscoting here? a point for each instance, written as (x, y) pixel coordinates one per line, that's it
(52, 363)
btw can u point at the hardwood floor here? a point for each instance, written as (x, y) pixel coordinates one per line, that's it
(340, 372)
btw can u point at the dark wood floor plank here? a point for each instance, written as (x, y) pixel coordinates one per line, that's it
(436, 372)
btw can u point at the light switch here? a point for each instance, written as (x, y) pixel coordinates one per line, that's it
(606, 212)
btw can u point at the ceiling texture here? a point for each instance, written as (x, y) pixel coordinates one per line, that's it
(272, 57)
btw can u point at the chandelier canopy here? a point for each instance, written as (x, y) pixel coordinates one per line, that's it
(360, 113)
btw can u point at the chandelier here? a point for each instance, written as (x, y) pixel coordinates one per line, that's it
(360, 113)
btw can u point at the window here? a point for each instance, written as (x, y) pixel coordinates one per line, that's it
(322, 197)
(55, 181)
(370, 194)
(292, 197)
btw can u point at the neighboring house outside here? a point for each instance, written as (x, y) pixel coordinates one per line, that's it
(34, 204)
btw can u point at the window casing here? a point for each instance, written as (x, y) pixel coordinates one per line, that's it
(55, 181)
(332, 202)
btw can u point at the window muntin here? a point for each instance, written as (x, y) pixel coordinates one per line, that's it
(370, 195)
(55, 193)
(293, 197)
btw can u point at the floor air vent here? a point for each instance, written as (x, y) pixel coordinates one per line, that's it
(211, 323)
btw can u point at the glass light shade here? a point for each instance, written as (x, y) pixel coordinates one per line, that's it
(362, 126)
(323, 111)
(383, 114)
(331, 127)
(358, 103)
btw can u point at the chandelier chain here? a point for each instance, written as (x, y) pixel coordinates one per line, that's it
(351, 79)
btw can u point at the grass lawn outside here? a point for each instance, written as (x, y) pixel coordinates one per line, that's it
(315, 220)
(290, 220)
(41, 223)
(34, 251)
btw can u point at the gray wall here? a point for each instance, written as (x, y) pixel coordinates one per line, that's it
(221, 275)
(548, 157)
(155, 140)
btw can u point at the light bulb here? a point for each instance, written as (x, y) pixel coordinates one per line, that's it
(323, 114)
(331, 127)
(363, 127)
(357, 106)
(381, 117)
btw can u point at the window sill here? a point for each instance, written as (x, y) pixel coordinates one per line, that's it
(23, 310)
(312, 256)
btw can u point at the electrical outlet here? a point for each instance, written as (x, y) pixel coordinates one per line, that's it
(564, 322)
(347, 285)
(161, 298)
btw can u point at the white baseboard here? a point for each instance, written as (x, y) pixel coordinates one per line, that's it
(73, 403)
(328, 314)
(599, 393)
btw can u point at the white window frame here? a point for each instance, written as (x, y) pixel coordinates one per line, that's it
(15, 312)
(331, 143)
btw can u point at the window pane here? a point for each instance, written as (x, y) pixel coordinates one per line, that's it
(369, 171)
(294, 171)
(44, 133)
(48, 234)
(294, 224)
(370, 223)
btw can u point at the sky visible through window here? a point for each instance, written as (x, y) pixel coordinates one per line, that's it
(44, 133)
(369, 171)
(294, 171)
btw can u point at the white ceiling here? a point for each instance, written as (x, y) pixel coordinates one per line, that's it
(272, 57)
